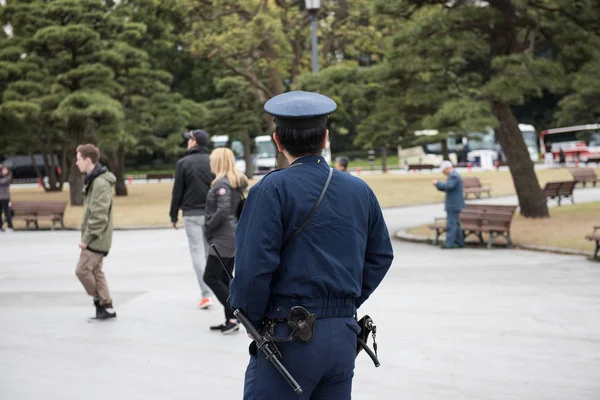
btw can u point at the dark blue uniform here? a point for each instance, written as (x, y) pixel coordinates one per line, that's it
(454, 204)
(331, 268)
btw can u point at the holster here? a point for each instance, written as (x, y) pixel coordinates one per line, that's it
(300, 321)
(367, 327)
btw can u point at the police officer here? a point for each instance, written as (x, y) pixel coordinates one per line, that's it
(331, 268)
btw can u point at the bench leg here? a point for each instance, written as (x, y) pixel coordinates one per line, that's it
(480, 235)
(62, 224)
(490, 240)
(27, 224)
(37, 227)
(53, 222)
(437, 236)
(597, 248)
(559, 197)
(509, 241)
(478, 194)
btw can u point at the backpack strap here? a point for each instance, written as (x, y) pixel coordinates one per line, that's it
(312, 212)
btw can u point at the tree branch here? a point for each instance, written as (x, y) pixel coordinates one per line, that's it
(252, 79)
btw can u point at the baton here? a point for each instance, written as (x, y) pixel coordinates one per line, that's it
(263, 343)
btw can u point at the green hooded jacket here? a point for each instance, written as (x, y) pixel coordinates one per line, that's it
(96, 227)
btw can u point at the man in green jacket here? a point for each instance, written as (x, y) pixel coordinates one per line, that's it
(96, 228)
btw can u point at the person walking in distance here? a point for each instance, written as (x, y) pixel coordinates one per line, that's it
(192, 182)
(96, 228)
(222, 203)
(454, 203)
(5, 178)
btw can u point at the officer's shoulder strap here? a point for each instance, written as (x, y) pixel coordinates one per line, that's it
(312, 211)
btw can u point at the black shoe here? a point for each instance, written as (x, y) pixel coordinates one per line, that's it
(98, 307)
(231, 327)
(218, 327)
(104, 314)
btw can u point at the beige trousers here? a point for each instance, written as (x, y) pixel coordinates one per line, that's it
(89, 272)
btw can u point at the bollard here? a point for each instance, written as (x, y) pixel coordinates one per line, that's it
(469, 167)
(129, 179)
(39, 183)
(497, 164)
(358, 171)
(577, 162)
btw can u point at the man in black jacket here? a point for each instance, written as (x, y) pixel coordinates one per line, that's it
(192, 182)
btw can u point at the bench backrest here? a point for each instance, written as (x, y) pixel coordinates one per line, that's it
(559, 188)
(504, 209)
(567, 187)
(583, 174)
(488, 215)
(471, 182)
(39, 207)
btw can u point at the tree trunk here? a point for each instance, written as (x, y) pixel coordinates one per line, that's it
(65, 168)
(75, 183)
(531, 197)
(247, 143)
(50, 167)
(76, 129)
(118, 169)
(384, 154)
(444, 143)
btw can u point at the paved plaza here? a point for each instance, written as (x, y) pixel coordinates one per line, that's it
(468, 324)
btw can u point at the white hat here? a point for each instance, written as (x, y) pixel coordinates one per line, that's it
(445, 165)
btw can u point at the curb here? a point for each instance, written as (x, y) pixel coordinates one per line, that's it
(408, 237)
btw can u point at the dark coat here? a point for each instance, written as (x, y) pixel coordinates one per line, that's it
(455, 198)
(332, 267)
(221, 205)
(192, 182)
(5, 186)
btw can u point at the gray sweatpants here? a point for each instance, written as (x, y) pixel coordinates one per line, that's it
(198, 249)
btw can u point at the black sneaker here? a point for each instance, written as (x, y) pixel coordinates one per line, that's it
(231, 327)
(105, 314)
(218, 327)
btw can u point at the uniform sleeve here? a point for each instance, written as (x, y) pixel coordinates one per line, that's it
(223, 195)
(177, 195)
(258, 244)
(379, 254)
(99, 211)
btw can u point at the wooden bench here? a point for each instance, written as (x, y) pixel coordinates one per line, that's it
(34, 211)
(560, 190)
(477, 219)
(584, 175)
(472, 185)
(419, 167)
(159, 176)
(595, 237)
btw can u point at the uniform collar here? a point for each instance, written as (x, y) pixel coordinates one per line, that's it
(309, 159)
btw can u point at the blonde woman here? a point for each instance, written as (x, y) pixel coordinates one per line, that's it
(222, 203)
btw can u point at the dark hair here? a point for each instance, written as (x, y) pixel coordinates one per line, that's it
(343, 161)
(302, 142)
(89, 151)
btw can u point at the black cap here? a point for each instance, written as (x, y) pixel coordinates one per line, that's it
(199, 136)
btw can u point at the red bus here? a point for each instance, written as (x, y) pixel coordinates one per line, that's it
(580, 142)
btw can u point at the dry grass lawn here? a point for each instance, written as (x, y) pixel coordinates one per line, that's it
(566, 228)
(148, 204)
